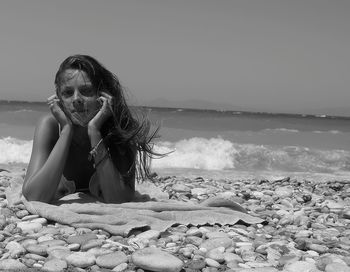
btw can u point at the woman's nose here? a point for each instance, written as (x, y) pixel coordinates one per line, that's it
(77, 104)
(77, 99)
(76, 96)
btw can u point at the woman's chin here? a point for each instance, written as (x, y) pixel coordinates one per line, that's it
(80, 123)
(80, 120)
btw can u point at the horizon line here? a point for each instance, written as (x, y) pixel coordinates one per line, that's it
(327, 116)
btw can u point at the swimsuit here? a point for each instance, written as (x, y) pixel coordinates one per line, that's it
(67, 187)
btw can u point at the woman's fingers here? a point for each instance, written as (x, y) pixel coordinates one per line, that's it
(107, 96)
(56, 109)
(106, 101)
(105, 111)
(52, 97)
(106, 108)
(103, 100)
(53, 102)
(104, 94)
(109, 100)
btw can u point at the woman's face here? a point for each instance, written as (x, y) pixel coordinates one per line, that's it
(78, 96)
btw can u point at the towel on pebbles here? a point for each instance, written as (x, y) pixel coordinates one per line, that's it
(149, 211)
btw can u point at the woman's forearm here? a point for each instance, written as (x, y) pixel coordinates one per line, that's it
(42, 185)
(114, 189)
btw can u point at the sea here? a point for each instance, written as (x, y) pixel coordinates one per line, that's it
(200, 142)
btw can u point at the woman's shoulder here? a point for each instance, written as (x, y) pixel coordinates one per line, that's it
(48, 119)
(48, 126)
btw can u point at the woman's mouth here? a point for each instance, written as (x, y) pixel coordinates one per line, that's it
(78, 111)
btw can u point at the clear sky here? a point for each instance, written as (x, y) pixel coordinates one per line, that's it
(281, 55)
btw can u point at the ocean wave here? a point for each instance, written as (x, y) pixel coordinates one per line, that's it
(288, 130)
(327, 131)
(218, 154)
(282, 130)
(197, 153)
(13, 150)
(22, 111)
(321, 115)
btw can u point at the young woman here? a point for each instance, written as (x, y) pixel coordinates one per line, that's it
(91, 142)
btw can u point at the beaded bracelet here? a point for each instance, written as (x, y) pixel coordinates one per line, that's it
(93, 152)
(101, 160)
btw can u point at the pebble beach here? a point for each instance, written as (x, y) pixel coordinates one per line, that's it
(306, 228)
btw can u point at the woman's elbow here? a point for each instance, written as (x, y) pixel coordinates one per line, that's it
(26, 193)
(31, 196)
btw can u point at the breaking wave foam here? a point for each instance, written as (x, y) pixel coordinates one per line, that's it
(282, 130)
(328, 131)
(13, 150)
(218, 154)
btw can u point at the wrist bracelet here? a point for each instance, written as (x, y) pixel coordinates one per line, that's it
(93, 152)
(101, 160)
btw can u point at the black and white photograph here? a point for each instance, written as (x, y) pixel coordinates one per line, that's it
(175, 135)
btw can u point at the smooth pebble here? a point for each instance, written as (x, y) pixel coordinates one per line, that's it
(81, 259)
(55, 265)
(149, 259)
(112, 259)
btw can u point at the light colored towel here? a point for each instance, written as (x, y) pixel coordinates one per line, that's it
(81, 210)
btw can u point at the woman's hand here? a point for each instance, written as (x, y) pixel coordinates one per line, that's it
(57, 112)
(104, 113)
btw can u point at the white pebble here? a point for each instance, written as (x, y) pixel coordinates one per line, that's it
(30, 217)
(149, 235)
(42, 221)
(28, 227)
(81, 259)
(211, 262)
(45, 238)
(120, 268)
(74, 246)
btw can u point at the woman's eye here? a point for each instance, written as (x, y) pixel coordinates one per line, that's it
(87, 91)
(67, 93)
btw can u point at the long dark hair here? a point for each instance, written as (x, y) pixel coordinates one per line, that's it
(125, 132)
